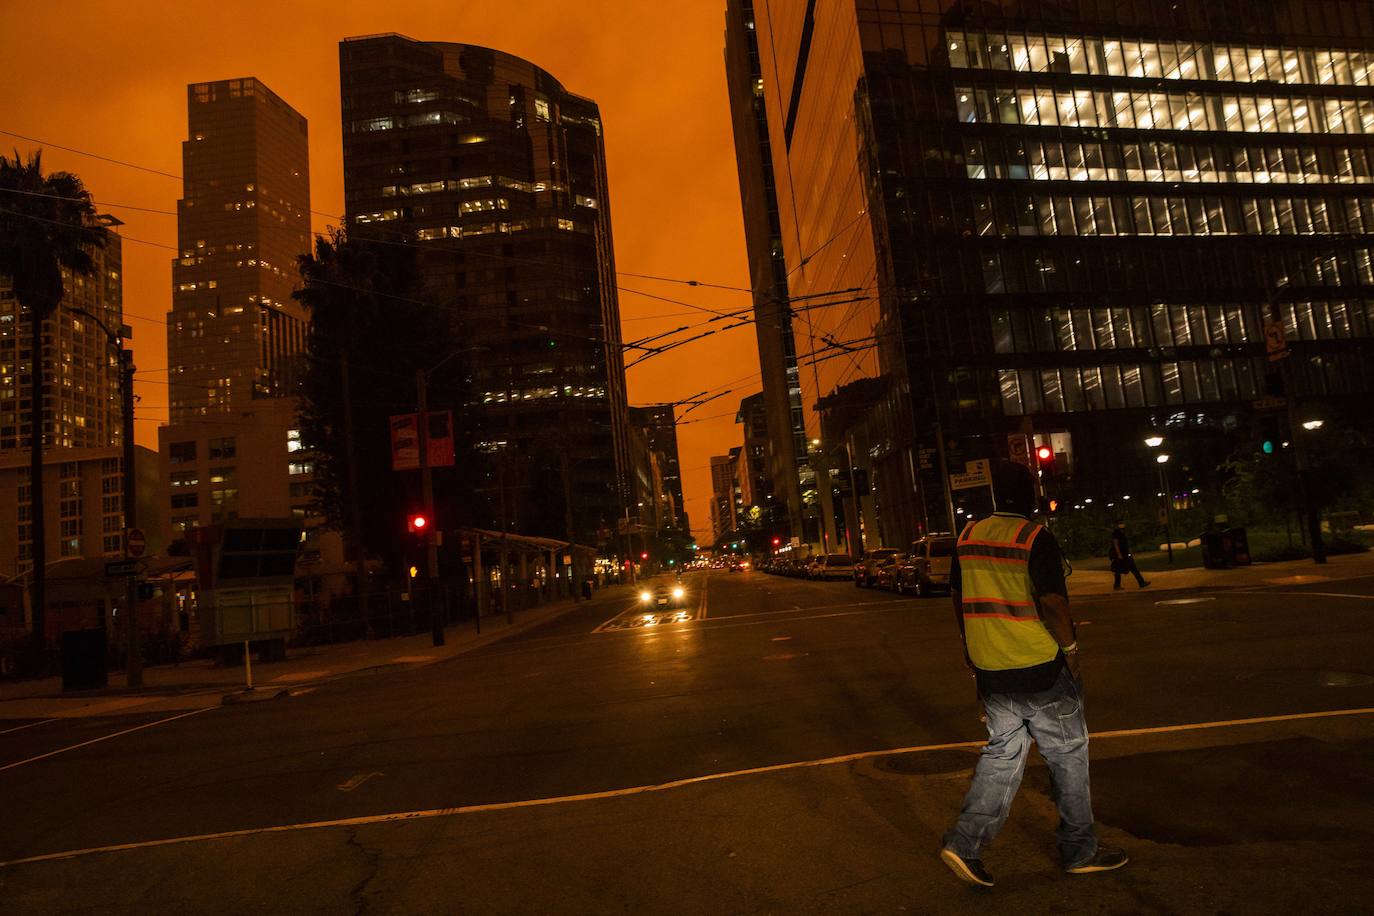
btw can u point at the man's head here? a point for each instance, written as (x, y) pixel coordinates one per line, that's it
(1013, 488)
(1121, 525)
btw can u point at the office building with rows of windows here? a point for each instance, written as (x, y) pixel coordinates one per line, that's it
(498, 174)
(234, 334)
(1075, 220)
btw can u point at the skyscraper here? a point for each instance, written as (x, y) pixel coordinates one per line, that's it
(789, 465)
(234, 334)
(493, 168)
(1075, 221)
(660, 429)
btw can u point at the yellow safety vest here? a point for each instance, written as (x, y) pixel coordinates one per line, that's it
(1002, 626)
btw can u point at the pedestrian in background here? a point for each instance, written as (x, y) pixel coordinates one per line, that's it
(1122, 561)
(1012, 606)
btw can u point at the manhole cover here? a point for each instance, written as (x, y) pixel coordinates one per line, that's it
(1185, 601)
(928, 763)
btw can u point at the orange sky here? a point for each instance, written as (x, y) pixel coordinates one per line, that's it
(111, 78)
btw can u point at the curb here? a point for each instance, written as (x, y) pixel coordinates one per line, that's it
(254, 695)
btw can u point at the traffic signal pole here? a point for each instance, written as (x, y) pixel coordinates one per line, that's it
(427, 498)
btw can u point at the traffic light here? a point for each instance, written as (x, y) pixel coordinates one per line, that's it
(644, 555)
(777, 542)
(1269, 435)
(1044, 459)
(417, 523)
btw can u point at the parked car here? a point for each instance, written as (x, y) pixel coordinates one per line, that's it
(927, 565)
(886, 576)
(835, 566)
(866, 570)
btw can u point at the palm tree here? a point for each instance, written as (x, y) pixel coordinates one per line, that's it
(47, 225)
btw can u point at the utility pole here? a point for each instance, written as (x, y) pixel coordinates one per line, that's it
(135, 667)
(427, 498)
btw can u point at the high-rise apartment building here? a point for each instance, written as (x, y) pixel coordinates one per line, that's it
(1075, 221)
(498, 173)
(788, 454)
(234, 334)
(81, 368)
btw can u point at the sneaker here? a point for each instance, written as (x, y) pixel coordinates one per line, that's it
(969, 870)
(1116, 588)
(1145, 584)
(1107, 858)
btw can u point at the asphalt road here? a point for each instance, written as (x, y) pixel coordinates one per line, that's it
(463, 786)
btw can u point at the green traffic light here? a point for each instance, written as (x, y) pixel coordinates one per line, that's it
(1268, 446)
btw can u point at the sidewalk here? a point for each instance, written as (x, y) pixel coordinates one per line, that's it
(197, 684)
(1290, 572)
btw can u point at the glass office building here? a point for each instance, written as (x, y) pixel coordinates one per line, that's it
(1081, 216)
(498, 174)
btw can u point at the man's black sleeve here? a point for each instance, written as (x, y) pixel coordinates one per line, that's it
(1047, 566)
(955, 582)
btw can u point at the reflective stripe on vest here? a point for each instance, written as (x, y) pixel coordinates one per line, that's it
(1002, 625)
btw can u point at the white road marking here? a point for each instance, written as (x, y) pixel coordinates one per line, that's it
(354, 782)
(701, 610)
(428, 813)
(127, 731)
(1321, 595)
(20, 728)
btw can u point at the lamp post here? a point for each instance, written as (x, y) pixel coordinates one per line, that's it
(1162, 460)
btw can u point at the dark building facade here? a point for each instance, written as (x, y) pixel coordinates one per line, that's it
(1076, 218)
(498, 174)
(789, 465)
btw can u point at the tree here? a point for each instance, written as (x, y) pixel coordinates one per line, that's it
(370, 329)
(47, 226)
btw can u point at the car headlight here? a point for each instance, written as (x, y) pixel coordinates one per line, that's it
(646, 596)
(679, 592)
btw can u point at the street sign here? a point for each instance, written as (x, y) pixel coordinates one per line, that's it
(405, 442)
(1019, 449)
(115, 569)
(975, 474)
(135, 542)
(1274, 342)
(439, 438)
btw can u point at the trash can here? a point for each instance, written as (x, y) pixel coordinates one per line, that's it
(1237, 547)
(84, 661)
(1213, 550)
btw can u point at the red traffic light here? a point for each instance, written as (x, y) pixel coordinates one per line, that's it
(777, 541)
(644, 556)
(1044, 453)
(417, 522)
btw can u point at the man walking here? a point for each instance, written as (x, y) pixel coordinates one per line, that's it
(1122, 560)
(1012, 606)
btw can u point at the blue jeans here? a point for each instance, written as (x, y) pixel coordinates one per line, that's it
(1054, 719)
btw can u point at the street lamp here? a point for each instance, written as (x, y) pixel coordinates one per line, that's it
(1162, 459)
